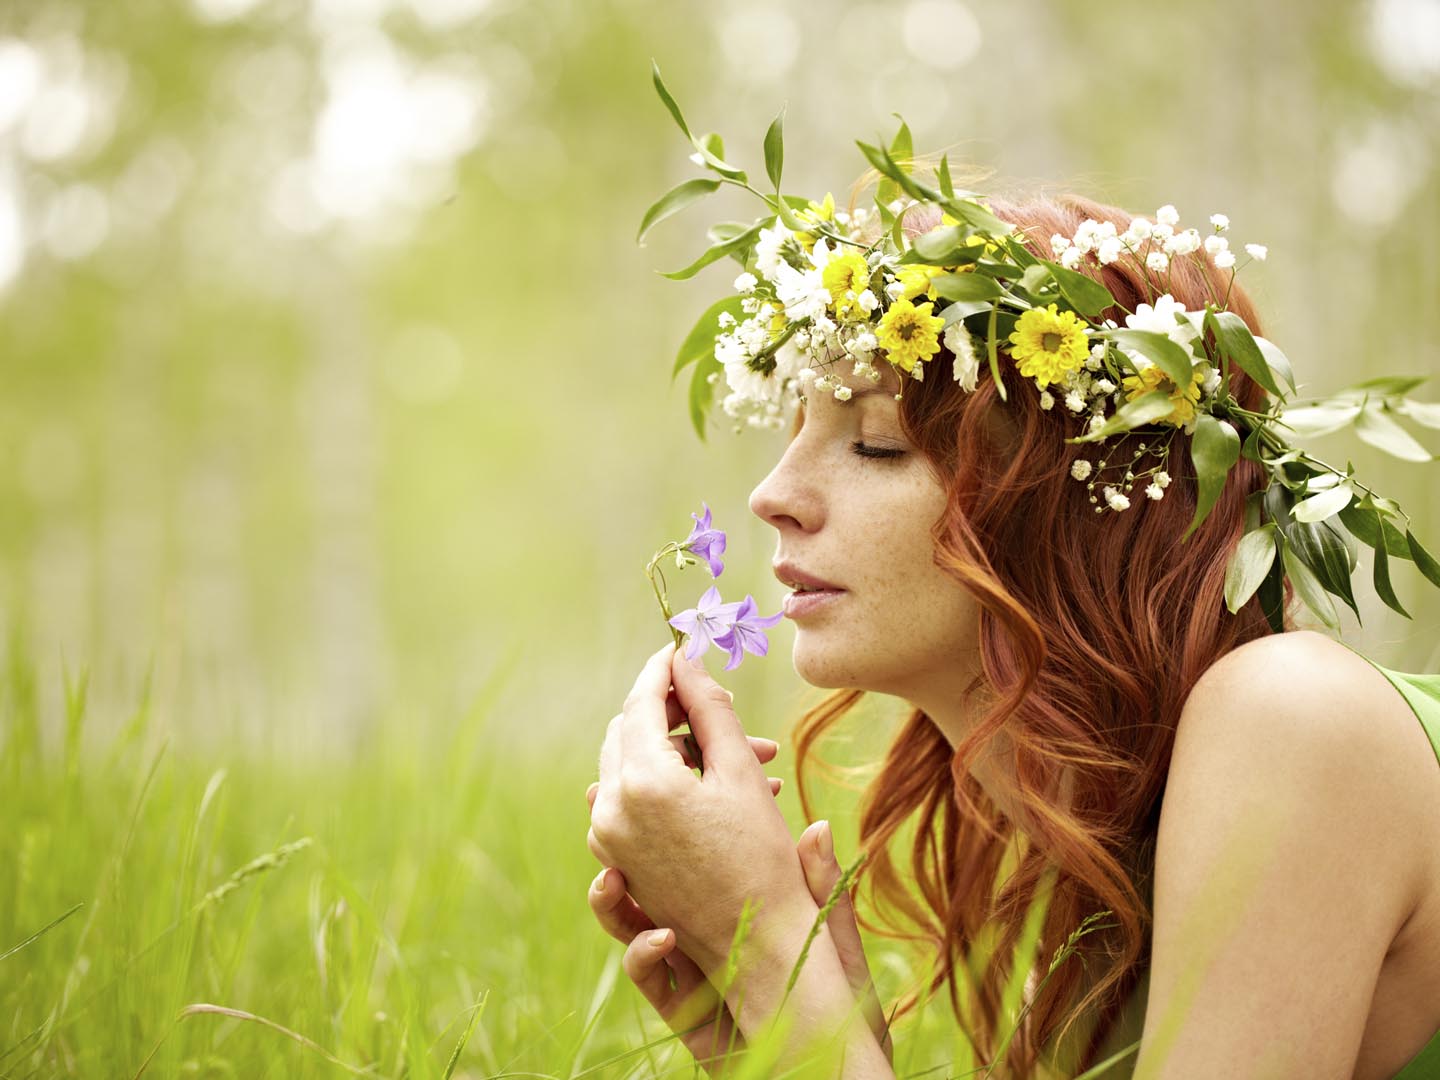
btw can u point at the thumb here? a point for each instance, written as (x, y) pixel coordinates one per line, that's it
(822, 871)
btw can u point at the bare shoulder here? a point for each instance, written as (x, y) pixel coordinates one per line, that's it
(1305, 704)
(1296, 840)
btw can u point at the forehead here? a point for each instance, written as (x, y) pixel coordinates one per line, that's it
(865, 396)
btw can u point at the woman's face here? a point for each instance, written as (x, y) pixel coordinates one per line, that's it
(896, 624)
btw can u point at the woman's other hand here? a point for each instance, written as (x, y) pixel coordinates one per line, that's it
(675, 986)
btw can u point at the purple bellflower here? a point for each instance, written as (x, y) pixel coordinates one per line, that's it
(746, 633)
(709, 619)
(706, 542)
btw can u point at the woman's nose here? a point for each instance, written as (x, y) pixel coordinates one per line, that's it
(785, 499)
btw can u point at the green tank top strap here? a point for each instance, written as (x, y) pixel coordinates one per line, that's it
(1421, 691)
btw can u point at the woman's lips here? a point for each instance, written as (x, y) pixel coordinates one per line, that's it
(798, 605)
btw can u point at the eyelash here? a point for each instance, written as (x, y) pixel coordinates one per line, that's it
(874, 451)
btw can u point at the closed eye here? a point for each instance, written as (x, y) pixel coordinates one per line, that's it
(863, 450)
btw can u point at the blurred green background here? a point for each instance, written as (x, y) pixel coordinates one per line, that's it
(333, 385)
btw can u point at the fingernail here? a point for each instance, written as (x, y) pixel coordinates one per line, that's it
(769, 744)
(658, 938)
(599, 883)
(826, 843)
(729, 693)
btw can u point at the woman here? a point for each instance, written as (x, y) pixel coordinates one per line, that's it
(1255, 807)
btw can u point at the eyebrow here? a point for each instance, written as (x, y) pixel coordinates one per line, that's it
(864, 391)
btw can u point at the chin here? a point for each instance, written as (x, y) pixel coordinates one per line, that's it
(830, 668)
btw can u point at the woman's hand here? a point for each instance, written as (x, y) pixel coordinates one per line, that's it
(693, 849)
(691, 1006)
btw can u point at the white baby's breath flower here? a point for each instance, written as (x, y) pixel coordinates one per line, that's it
(1155, 491)
(1257, 251)
(1058, 243)
(1157, 261)
(746, 282)
(967, 364)
(1098, 350)
(895, 290)
(842, 393)
(1220, 221)
(801, 339)
(868, 301)
(1139, 229)
(1075, 401)
(1216, 244)
(1097, 422)
(1162, 478)
(1080, 468)
(726, 320)
(1104, 386)
(1162, 232)
(1047, 400)
(750, 305)
(1225, 259)
(806, 376)
(1109, 250)
(1167, 215)
(1070, 258)
(1115, 500)
(1085, 235)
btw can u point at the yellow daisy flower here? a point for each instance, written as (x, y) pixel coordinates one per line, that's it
(816, 212)
(1048, 344)
(917, 279)
(1152, 378)
(909, 333)
(844, 273)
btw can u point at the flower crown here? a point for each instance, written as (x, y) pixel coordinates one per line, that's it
(821, 286)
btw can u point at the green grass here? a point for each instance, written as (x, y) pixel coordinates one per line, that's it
(416, 908)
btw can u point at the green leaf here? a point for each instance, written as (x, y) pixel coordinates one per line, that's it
(668, 100)
(963, 309)
(1376, 428)
(947, 188)
(1248, 566)
(1272, 596)
(992, 352)
(1383, 588)
(936, 244)
(1085, 294)
(719, 251)
(965, 286)
(775, 149)
(1423, 559)
(1035, 278)
(1368, 526)
(1318, 419)
(1278, 361)
(902, 147)
(977, 217)
(702, 392)
(673, 201)
(712, 149)
(1159, 349)
(1422, 412)
(1214, 448)
(1132, 414)
(1325, 552)
(700, 342)
(1309, 587)
(1321, 506)
(1236, 342)
(1385, 386)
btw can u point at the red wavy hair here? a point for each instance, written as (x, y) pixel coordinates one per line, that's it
(1093, 629)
